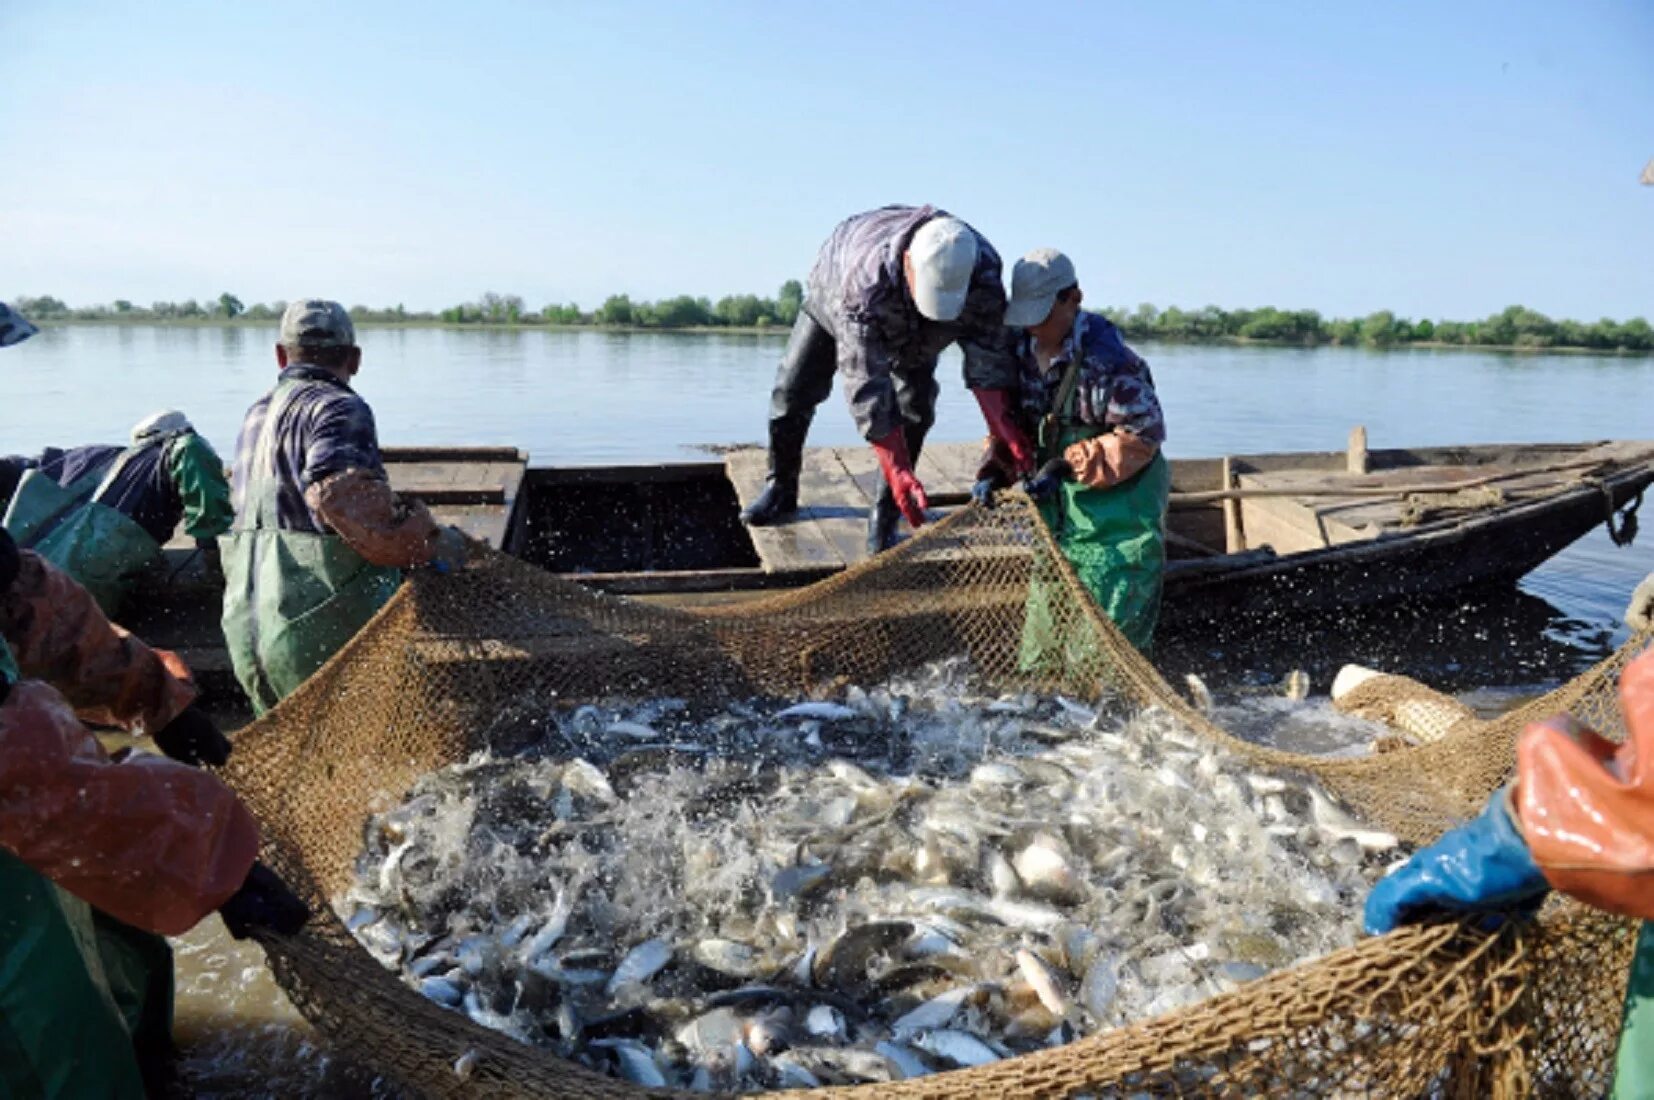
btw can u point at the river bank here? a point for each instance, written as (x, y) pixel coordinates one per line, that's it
(782, 330)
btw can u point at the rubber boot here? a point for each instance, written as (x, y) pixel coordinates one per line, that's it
(779, 500)
(881, 522)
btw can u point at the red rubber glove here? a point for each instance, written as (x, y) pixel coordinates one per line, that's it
(898, 472)
(996, 410)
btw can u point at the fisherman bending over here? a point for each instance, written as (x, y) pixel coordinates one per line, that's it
(890, 289)
(1103, 485)
(319, 538)
(102, 513)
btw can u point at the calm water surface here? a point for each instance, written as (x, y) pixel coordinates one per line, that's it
(595, 398)
(575, 397)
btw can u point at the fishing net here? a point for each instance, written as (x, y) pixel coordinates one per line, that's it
(1437, 1010)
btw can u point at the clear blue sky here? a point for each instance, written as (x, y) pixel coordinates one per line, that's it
(1438, 159)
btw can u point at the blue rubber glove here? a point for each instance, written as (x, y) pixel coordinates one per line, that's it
(983, 492)
(1480, 867)
(1051, 475)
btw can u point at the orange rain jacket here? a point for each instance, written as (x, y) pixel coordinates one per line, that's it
(1586, 805)
(151, 842)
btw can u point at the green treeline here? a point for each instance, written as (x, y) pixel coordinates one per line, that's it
(1516, 326)
(734, 311)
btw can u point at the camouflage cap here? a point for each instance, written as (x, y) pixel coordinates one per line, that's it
(13, 328)
(316, 323)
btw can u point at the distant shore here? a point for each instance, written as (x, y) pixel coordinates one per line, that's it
(782, 330)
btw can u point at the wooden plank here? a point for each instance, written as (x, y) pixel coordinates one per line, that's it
(1234, 535)
(796, 544)
(1355, 459)
(949, 468)
(828, 495)
(452, 454)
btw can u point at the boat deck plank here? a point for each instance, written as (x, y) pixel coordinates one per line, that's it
(837, 486)
(797, 544)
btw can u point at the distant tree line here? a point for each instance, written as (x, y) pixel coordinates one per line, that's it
(734, 311)
(1516, 326)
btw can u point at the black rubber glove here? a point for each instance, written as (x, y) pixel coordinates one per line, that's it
(264, 901)
(983, 491)
(192, 738)
(1051, 475)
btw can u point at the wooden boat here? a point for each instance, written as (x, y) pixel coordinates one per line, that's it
(1250, 536)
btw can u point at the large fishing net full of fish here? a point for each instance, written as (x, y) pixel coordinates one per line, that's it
(395, 740)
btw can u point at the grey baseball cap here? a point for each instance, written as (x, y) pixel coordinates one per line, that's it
(14, 329)
(316, 323)
(1035, 283)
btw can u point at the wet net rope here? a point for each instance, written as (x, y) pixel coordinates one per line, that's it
(1441, 1010)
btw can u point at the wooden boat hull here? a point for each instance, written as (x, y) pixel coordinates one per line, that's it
(670, 532)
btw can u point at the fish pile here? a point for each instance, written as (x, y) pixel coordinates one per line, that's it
(905, 880)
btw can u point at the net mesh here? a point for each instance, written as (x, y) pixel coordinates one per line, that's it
(1440, 1010)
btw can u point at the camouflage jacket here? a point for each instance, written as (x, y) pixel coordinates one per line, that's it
(858, 293)
(1115, 388)
(325, 429)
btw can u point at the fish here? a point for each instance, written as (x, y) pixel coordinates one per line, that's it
(903, 1061)
(637, 1062)
(637, 731)
(640, 964)
(1043, 981)
(937, 1012)
(820, 712)
(959, 1047)
(1199, 694)
(943, 877)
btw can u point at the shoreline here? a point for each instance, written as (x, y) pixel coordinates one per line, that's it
(783, 330)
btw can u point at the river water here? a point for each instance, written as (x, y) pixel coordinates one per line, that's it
(573, 397)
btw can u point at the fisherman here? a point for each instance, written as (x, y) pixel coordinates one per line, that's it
(1103, 484)
(102, 513)
(99, 860)
(890, 289)
(319, 538)
(1579, 818)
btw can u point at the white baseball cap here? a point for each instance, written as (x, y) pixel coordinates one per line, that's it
(165, 422)
(943, 253)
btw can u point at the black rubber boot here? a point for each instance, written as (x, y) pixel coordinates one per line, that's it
(881, 522)
(779, 500)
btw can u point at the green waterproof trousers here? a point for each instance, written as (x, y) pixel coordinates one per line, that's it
(84, 999)
(1634, 1064)
(95, 544)
(291, 598)
(1115, 539)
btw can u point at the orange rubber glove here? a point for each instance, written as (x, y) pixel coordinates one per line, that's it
(1586, 805)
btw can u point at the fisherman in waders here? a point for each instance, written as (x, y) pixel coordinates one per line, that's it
(99, 860)
(890, 289)
(319, 538)
(102, 513)
(1578, 818)
(1103, 484)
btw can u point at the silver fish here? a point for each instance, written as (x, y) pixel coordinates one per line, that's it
(959, 1047)
(937, 1012)
(821, 712)
(640, 964)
